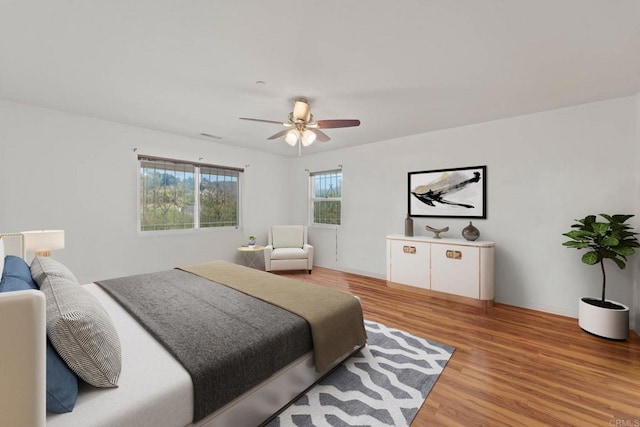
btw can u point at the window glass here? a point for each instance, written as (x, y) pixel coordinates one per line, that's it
(326, 197)
(169, 200)
(218, 197)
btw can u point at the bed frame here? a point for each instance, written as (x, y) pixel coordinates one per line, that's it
(22, 358)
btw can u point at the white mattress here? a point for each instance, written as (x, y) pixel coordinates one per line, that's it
(154, 389)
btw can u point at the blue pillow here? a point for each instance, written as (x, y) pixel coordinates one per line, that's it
(62, 383)
(10, 284)
(16, 267)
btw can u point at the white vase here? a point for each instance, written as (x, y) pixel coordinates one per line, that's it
(604, 322)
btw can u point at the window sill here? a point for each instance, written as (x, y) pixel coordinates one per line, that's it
(155, 233)
(325, 225)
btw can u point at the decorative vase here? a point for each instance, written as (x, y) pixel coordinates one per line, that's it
(470, 232)
(252, 242)
(408, 226)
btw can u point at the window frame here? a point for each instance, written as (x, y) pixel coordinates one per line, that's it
(196, 196)
(313, 198)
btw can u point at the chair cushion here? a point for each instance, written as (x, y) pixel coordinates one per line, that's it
(287, 236)
(289, 253)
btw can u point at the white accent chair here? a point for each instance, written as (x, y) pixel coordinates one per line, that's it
(287, 249)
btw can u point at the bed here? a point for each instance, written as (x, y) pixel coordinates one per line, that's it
(153, 387)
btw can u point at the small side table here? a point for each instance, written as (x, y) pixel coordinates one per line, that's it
(251, 254)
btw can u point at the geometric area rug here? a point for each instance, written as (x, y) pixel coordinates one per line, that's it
(384, 384)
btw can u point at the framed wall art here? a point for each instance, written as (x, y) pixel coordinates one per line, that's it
(448, 193)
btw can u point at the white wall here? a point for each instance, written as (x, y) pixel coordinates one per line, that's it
(543, 171)
(76, 173)
(79, 174)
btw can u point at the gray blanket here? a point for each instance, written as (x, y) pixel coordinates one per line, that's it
(335, 317)
(228, 341)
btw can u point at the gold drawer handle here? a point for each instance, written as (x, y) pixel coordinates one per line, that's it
(409, 249)
(454, 254)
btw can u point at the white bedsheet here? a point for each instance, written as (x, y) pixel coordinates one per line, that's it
(154, 389)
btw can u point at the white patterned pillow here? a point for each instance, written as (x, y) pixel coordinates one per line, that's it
(78, 326)
(82, 332)
(43, 266)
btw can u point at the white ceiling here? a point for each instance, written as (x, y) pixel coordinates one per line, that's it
(402, 67)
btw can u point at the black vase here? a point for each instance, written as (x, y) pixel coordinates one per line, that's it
(470, 232)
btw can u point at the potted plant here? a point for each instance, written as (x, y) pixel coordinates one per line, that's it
(612, 240)
(252, 240)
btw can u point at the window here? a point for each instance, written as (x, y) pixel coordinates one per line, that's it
(176, 195)
(326, 197)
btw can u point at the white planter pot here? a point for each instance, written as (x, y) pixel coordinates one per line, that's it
(604, 322)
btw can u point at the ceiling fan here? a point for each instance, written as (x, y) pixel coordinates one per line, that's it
(300, 127)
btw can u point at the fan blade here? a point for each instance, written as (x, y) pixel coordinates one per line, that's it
(338, 123)
(261, 120)
(321, 136)
(279, 134)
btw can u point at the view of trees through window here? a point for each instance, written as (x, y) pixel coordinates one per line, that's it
(169, 200)
(218, 197)
(326, 197)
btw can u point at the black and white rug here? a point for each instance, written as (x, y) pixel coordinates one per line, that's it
(384, 384)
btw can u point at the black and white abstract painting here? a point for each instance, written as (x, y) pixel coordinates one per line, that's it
(448, 193)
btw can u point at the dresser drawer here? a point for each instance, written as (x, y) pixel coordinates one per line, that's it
(455, 270)
(409, 263)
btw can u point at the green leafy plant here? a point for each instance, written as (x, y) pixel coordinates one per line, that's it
(612, 240)
(252, 237)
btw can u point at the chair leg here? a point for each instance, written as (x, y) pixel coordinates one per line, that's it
(309, 271)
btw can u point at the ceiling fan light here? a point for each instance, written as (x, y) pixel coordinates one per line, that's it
(292, 137)
(308, 136)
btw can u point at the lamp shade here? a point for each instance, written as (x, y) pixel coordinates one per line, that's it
(308, 136)
(292, 137)
(41, 242)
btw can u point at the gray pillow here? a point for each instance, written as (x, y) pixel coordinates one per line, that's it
(79, 327)
(43, 266)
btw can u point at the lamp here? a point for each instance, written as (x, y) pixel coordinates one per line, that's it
(42, 242)
(308, 136)
(305, 137)
(292, 137)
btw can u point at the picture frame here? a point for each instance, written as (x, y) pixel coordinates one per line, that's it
(448, 193)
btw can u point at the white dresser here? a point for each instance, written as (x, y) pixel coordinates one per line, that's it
(454, 269)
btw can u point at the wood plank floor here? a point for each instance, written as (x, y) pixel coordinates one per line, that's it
(511, 366)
